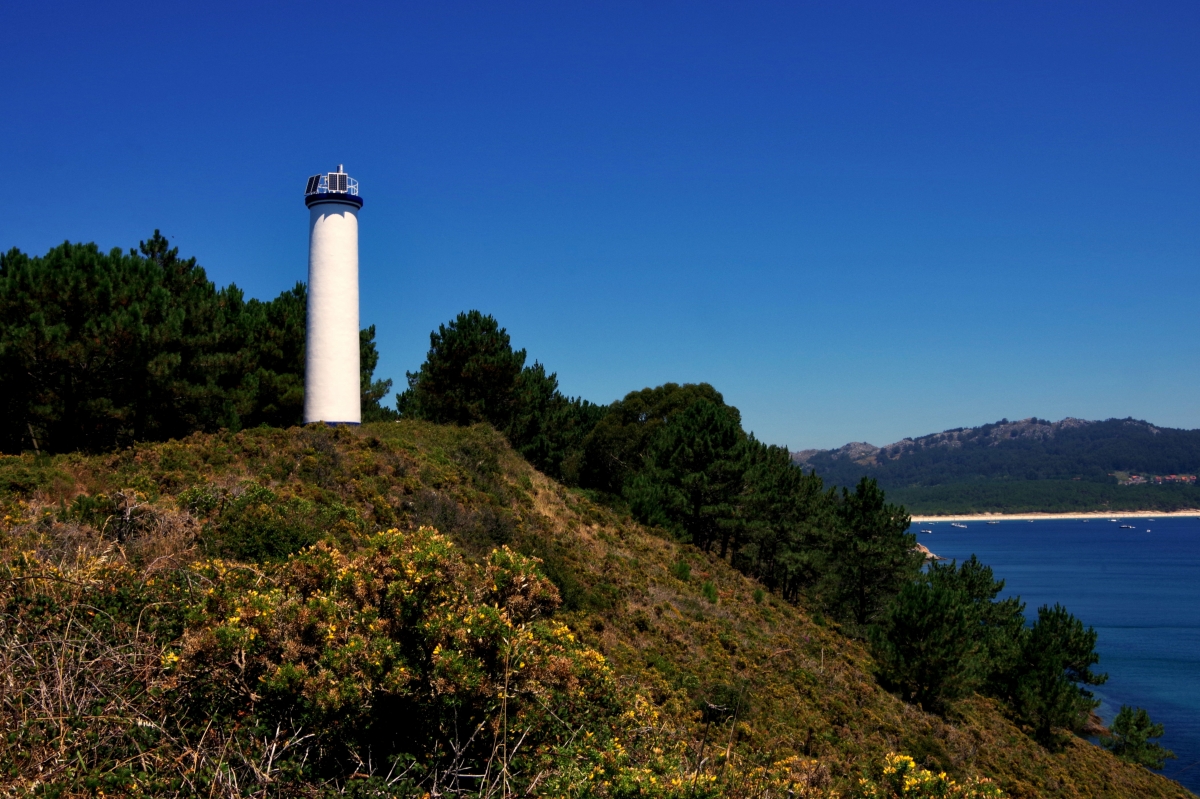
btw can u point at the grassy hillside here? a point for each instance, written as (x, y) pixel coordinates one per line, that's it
(143, 589)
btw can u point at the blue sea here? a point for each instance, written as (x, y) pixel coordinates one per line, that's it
(1139, 588)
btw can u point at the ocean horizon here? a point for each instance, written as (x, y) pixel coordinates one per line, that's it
(1139, 588)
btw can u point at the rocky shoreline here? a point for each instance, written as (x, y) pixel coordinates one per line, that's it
(924, 550)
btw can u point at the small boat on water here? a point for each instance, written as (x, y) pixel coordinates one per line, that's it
(960, 526)
(927, 531)
(1126, 526)
(993, 522)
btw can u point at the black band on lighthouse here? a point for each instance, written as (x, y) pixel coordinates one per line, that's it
(345, 199)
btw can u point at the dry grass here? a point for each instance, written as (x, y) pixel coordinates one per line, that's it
(87, 698)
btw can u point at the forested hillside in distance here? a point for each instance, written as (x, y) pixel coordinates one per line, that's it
(1028, 465)
(1031, 449)
(1043, 496)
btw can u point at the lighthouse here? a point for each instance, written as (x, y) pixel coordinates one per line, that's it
(331, 370)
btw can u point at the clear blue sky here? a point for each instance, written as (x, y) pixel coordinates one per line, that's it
(860, 222)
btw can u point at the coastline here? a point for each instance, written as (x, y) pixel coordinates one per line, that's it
(1023, 517)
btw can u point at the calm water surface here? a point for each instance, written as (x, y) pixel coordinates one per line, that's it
(1139, 589)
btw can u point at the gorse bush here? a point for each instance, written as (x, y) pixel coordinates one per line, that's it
(899, 777)
(350, 649)
(298, 675)
(392, 668)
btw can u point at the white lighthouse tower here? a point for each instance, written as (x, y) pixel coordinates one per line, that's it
(331, 371)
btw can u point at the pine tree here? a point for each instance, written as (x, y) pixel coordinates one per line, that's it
(946, 635)
(1047, 686)
(373, 391)
(870, 554)
(784, 515)
(1130, 737)
(693, 475)
(928, 652)
(472, 374)
(615, 450)
(468, 376)
(94, 346)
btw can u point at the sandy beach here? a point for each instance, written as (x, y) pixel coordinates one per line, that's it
(1018, 517)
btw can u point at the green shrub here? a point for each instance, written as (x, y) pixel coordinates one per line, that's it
(1130, 739)
(94, 510)
(259, 525)
(201, 500)
(682, 570)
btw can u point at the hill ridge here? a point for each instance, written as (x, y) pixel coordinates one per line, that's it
(1028, 465)
(995, 434)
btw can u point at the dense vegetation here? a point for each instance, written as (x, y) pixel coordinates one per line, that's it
(677, 457)
(1030, 465)
(98, 350)
(268, 610)
(156, 639)
(473, 374)
(946, 636)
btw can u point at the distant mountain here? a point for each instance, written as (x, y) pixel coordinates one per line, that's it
(1071, 450)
